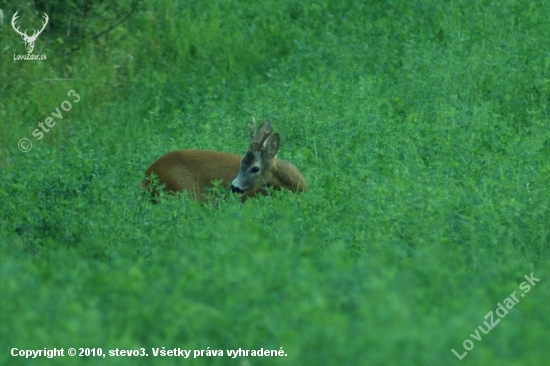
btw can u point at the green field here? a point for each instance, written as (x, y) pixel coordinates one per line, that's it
(422, 128)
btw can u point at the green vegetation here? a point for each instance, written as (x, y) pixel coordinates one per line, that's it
(421, 128)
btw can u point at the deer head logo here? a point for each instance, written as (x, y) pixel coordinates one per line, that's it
(29, 40)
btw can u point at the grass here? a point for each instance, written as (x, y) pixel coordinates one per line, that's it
(422, 131)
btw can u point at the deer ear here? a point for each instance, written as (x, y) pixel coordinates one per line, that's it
(272, 146)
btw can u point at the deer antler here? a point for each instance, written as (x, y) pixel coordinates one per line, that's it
(252, 130)
(29, 41)
(34, 34)
(263, 133)
(13, 19)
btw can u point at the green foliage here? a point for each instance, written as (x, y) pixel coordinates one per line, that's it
(421, 129)
(72, 23)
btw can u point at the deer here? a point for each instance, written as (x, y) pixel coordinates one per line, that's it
(196, 171)
(29, 40)
(260, 168)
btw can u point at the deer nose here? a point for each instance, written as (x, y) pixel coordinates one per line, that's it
(236, 189)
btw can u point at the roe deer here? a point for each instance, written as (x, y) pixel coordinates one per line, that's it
(193, 170)
(260, 167)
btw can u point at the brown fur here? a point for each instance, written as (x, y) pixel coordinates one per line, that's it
(192, 170)
(272, 171)
(287, 176)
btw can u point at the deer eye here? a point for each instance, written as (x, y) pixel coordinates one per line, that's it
(255, 170)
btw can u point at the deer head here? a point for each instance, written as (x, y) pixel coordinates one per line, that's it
(257, 164)
(29, 40)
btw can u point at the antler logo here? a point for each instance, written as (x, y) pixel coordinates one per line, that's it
(29, 40)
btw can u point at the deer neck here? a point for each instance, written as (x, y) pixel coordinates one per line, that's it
(285, 175)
